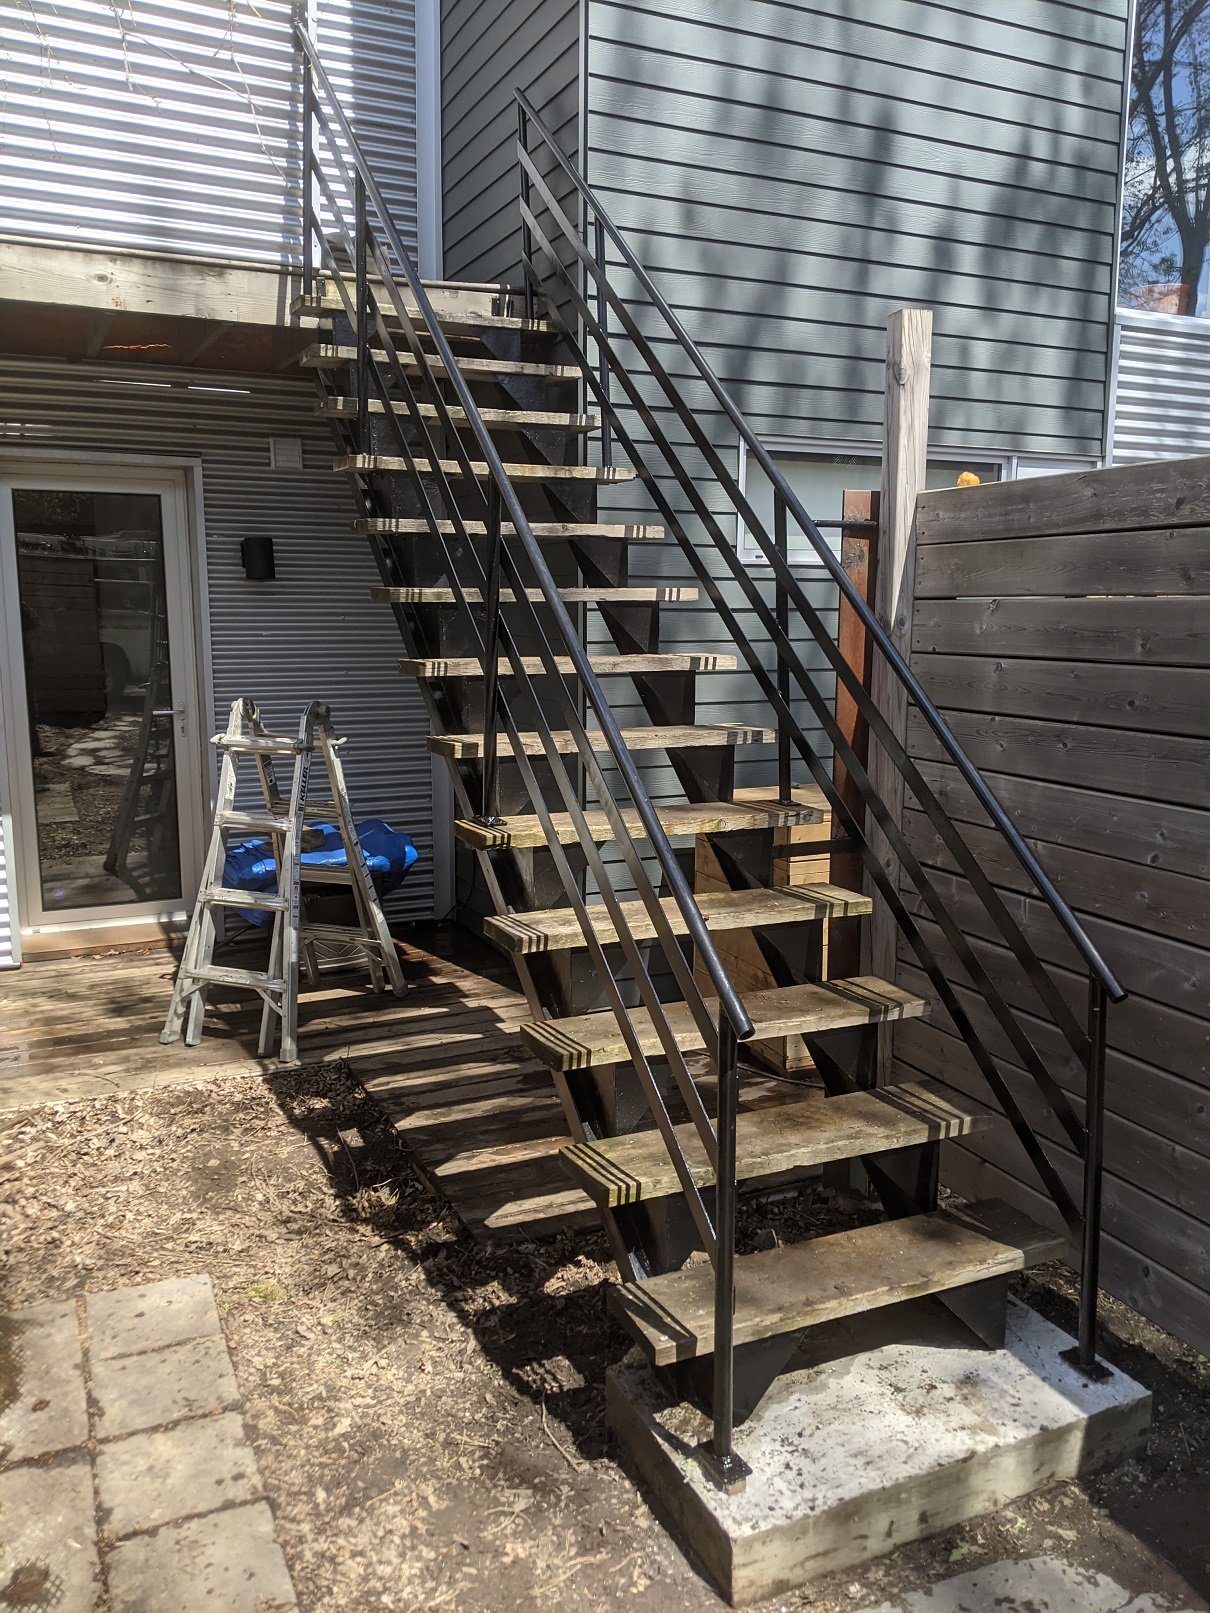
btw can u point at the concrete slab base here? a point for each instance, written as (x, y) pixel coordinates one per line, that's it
(893, 1427)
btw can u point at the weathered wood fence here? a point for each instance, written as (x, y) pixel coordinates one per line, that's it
(1063, 626)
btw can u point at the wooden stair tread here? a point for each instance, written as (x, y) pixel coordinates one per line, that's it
(470, 746)
(584, 1040)
(515, 472)
(331, 355)
(658, 594)
(408, 526)
(793, 1136)
(343, 407)
(557, 929)
(604, 665)
(451, 313)
(708, 817)
(798, 1286)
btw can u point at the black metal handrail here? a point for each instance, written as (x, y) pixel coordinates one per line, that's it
(1087, 1042)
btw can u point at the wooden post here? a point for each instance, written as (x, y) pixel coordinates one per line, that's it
(904, 454)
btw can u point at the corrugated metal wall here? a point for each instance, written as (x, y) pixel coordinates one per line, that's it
(1162, 397)
(311, 634)
(174, 126)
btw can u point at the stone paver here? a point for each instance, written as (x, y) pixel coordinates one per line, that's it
(228, 1561)
(128, 1320)
(48, 1554)
(137, 1392)
(42, 1404)
(1036, 1585)
(145, 1480)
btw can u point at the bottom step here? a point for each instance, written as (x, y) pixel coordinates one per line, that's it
(789, 1289)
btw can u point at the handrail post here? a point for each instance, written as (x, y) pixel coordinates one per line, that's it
(361, 274)
(308, 182)
(602, 355)
(782, 609)
(720, 1460)
(527, 236)
(1084, 1355)
(489, 815)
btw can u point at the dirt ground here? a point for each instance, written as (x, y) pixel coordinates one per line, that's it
(427, 1410)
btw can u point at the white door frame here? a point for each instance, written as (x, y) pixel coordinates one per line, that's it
(172, 482)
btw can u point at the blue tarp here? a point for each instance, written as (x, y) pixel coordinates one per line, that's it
(251, 865)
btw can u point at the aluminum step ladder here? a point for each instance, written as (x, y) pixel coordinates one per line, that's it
(283, 819)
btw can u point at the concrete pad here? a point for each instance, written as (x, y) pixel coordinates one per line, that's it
(48, 1555)
(228, 1560)
(125, 1321)
(135, 1392)
(42, 1404)
(875, 1446)
(1026, 1587)
(149, 1479)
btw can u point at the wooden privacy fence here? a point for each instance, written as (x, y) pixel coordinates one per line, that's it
(1063, 627)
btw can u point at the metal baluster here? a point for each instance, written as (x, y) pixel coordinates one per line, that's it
(782, 607)
(725, 1467)
(491, 665)
(602, 356)
(363, 315)
(308, 193)
(527, 236)
(1084, 1355)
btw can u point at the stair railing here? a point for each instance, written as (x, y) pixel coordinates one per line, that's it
(600, 308)
(382, 297)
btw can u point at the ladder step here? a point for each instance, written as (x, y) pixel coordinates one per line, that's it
(363, 463)
(501, 419)
(217, 974)
(449, 317)
(557, 929)
(657, 595)
(253, 822)
(679, 820)
(586, 1040)
(225, 896)
(797, 1286)
(331, 355)
(631, 666)
(461, 747)
(313, 874)
(249, 745)
(786, 1137)
(544, 531)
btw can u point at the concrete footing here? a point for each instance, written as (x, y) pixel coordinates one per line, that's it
(896, 1426)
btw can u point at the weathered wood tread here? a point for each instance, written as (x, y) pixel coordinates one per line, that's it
(788, 1289)
(506, 419)
(331, 355)
(450, 316)
(785, 1137)
(660, 594)
(467, 747)
(603, 665)
(390, 463)
(556, 929)
(707, 817)
(585, 1040)
(406, 527)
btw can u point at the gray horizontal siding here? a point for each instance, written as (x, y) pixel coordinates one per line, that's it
(1162, 395)
(310, 634)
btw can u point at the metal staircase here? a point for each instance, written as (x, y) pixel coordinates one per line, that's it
(460, 420)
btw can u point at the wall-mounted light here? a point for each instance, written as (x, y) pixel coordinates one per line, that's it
(256, 556)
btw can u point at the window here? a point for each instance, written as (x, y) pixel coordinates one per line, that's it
(819, 478)
(1165, 257)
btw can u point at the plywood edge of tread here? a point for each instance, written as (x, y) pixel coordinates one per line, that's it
(557, 929)
(516, 472)
(710, 817)
(330, 355)
(657, 594)
(585, 1040)
(468, 747)
(798, 1286)
(604, 665)
(388, 526)
(784, 1137)
(344, 407)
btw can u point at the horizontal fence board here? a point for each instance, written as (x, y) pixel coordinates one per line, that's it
(1171, 700)
(1172, 631)
(1125, 498)
(1172, 560)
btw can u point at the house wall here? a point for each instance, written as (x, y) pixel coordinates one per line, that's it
(310, 634)
(175, 128)
(1162, 388)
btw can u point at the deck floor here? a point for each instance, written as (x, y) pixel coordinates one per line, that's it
(444, 1062)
